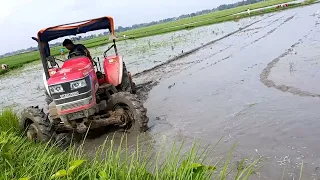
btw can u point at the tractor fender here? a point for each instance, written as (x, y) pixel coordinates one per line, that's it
(113, 68)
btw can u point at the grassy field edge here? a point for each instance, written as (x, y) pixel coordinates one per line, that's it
(24, 160)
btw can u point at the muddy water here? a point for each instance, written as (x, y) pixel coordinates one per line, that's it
(148, 52)
(299, 68)
(23, 88)
(257, 87)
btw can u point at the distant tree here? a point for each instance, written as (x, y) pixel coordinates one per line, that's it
(120, 29)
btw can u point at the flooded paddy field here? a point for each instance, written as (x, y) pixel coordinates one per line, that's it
(257, 88)
(139, 55)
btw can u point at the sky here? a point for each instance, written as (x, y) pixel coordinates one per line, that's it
(22, 19)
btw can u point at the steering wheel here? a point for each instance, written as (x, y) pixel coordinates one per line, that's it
(75, 54)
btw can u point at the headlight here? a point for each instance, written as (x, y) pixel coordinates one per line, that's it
(56, 89)
(78, 84)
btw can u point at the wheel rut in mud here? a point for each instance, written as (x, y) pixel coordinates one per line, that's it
(273, 30)
(248, 44)
(264, 76)
(284, 88)
(159, 71)
(198, 48)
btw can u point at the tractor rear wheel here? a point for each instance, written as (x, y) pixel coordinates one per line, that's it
(36, 124)
(135, 112)
(126, 83)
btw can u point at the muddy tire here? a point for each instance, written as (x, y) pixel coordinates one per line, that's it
(125, 85)
(134, 88)
(48, 98)
(35, 124)
(134, 107)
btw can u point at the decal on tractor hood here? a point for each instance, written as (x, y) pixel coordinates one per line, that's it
(87, 71)
(63, 71)
(69, 94)
(87, 68)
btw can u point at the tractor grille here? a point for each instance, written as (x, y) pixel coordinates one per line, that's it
(73, 99)
(72, 105)
(76, 104)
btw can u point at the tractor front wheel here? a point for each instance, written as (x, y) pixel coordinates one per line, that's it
(34, 133)
(36, 124)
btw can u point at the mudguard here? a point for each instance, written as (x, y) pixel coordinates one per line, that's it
(113, 68)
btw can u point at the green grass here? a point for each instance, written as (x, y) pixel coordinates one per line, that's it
(8, 121)
(201, 19)
(17, 61)
(22, 159)
(186, 23)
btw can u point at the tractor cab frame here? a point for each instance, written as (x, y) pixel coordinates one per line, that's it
(48, 34)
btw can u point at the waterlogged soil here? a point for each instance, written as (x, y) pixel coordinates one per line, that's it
(22, 89)
(145, 53)
(255, 86)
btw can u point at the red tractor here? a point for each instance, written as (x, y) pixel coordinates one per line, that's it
(80, 94)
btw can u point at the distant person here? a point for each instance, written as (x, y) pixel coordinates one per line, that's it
(4, 66)
(76, 49)
(249, 11)
(62, 51)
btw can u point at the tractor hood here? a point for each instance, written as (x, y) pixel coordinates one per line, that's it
(72, 69)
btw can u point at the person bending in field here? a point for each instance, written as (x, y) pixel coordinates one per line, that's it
(76, 49)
